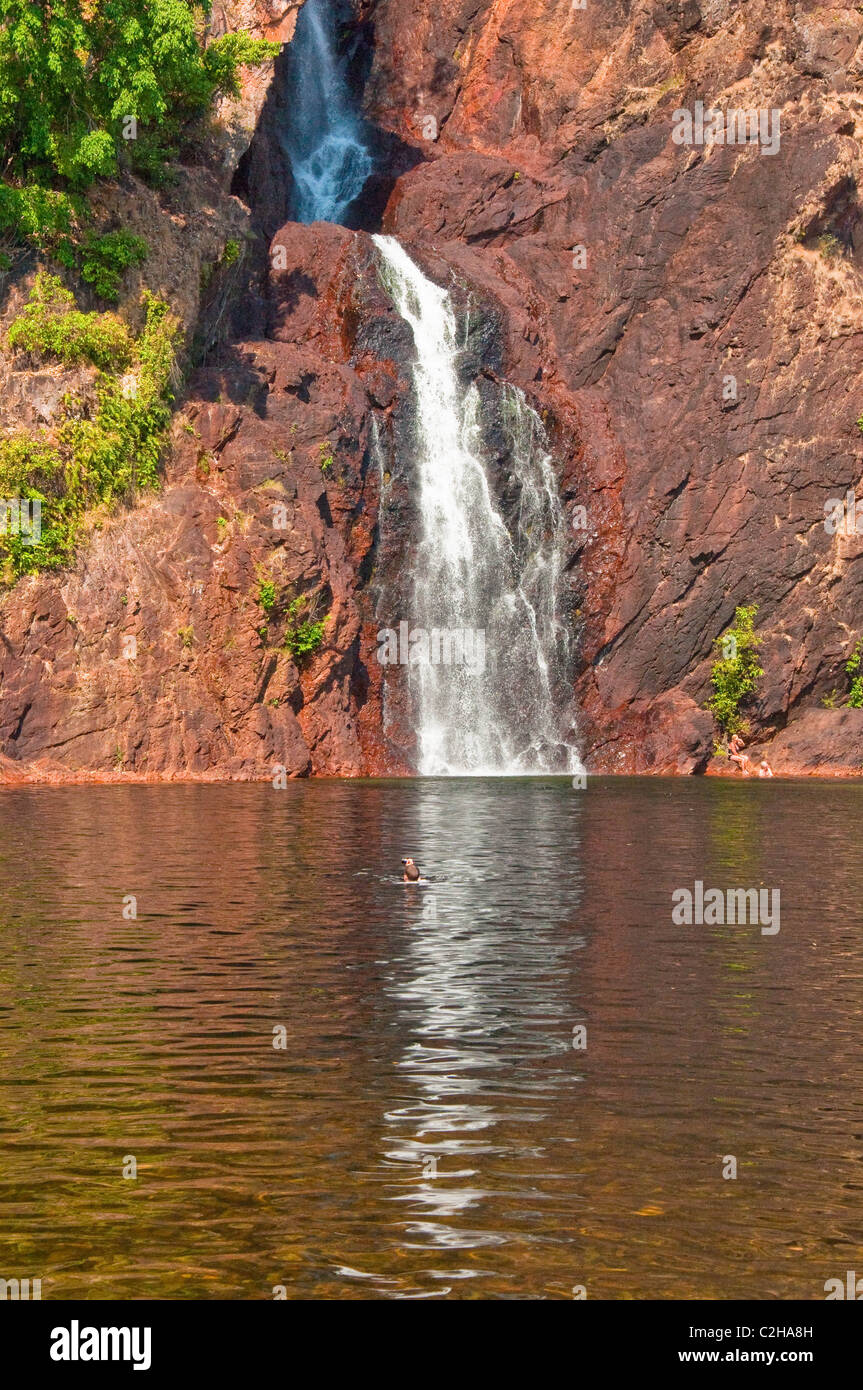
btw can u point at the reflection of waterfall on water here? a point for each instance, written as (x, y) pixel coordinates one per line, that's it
(324, 139)
(471, 575)
(485, 989)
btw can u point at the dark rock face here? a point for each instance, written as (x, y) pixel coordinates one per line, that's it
(687, 319)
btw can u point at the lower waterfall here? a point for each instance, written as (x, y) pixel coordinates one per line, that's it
(489, 650)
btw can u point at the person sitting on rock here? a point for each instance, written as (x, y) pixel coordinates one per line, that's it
(737, 756)
(764, 768)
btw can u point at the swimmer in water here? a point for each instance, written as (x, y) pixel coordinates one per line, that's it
(412, 873)
(765, 770)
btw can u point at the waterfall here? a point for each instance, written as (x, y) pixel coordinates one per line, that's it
(488, 666)
(509, 712)
(324, 138)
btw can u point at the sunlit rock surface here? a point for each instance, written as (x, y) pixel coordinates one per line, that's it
(686, 319)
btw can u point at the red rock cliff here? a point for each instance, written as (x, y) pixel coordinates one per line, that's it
(687, 318)
(706, 341)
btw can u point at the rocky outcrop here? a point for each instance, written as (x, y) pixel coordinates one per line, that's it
(817, 743)
(273, 20)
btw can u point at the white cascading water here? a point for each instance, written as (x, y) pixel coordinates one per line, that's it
(510, 713)
(470, 574)
(324, 139)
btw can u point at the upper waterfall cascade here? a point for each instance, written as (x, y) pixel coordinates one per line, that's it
(330, 161)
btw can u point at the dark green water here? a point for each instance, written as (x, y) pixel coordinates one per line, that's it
(429, 1131)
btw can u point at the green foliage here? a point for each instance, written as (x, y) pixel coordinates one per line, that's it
(51, 221)
(99, 452)
(222, 60)
(51, 326)
(303, 637)
(31, 469)
(186, 636)
(736, 674)
(829, 246)
(104, 258)
(267, 595)
(327, 459)
(86, 88)
(39, 215)
(230, 255)
(121, 446)
(27, 462)
(852, 668)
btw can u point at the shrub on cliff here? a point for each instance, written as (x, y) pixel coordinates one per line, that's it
(32, 471)
(855, 674)
(303, 636)
(736, 674)
(853, 698)
(51, 326)
(87, 89)
(100, 450)
(119, 448)
(102, 259)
